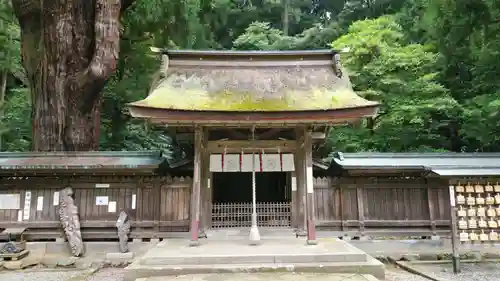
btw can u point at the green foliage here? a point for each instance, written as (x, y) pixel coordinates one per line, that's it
(403, 78)
(17, 113)
(433, 65)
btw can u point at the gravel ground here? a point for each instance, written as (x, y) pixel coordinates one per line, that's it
(116, 274)
(396, 274)
(107, 274)
(470, 271)
(392, 274)
(39, 276)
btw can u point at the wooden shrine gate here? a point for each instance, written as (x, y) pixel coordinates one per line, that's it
(238, 213)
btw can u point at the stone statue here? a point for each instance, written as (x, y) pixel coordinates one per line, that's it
(68, 214)
(123, 226)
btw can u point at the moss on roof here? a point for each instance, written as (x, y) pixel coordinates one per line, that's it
(246, 88)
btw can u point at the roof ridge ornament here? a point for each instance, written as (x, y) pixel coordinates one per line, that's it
(337, 65)
(164, 65)
(162, 73)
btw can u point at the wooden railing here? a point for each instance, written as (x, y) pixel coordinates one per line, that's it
(269, 214)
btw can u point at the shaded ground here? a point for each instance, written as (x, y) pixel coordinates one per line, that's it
(40, 275)
(470, 271)
(116, 274)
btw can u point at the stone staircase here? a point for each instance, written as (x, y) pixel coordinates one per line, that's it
(175, 257)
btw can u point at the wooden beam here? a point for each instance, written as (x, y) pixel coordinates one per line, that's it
(210, 118)
(301, 187)
(269, 133)
(195, 193)
(206, 214)
(237, 135)
(311, 225)
(248, 146)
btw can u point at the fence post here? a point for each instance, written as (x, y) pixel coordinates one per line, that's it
(432, 218)
(361, 210)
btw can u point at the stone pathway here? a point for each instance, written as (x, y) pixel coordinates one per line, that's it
(265, 277)
(471, 272)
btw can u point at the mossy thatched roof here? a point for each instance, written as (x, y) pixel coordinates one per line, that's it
(251, 82)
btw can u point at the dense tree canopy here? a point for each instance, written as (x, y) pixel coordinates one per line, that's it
(433, 64)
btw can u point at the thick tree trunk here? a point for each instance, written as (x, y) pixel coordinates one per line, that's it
(69, 50)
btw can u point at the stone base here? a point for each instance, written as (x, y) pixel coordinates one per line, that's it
(312, 242)
(372, 267)
(300, 233)
(435, 238)
(172, 257)
(202, 234)
(119, 256)
(194, 243)
(264, 277)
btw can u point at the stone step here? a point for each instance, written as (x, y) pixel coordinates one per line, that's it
(267, 277)
(371, 266)
(254, 259)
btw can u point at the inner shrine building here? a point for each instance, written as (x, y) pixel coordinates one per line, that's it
(254, 118)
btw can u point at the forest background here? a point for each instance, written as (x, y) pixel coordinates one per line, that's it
(433, 64)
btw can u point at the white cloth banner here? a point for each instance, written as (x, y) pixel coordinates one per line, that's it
(288, 162)
(231, 163)
(270, 162)
(246, 163)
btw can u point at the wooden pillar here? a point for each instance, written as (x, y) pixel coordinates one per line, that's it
(209, 196)
(293, 183)
(311, 225)
(204, 186)
(195, 193)
(455, 241)
(301, 187)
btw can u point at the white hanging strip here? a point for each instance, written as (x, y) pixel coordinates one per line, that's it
(222, 158)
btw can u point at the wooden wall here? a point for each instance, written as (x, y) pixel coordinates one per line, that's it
(347, 206)
(382, 206)
(161, 205)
